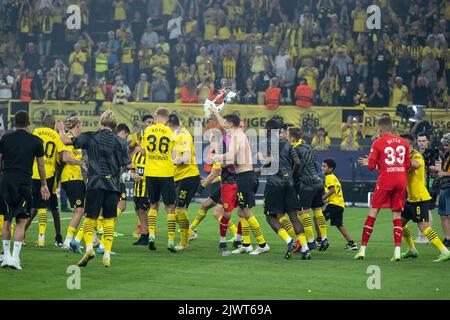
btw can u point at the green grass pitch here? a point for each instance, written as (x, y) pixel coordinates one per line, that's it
(202, 273)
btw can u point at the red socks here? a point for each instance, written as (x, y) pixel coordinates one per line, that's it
(367, 230)
(239, 229)
(398, 231)
(224, 226)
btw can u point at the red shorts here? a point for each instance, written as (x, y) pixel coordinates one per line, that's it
(229, 197)
(388, 198)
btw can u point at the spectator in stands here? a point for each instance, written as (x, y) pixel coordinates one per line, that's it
(27, 86)
(273, 95)
(174, 25)
(101, 61)
(189, 91)
(121, 92)
(112, 48)
(259, 62)
(310, 73)
(50, 87)
(120, 13)
(150, 38)
(304, 96)
(350, 132)
(137, 27)
(248, 94)
(205, 89)
(280, 63)
(399, 93)
(381, 60)
(159, 62)
(77, 60)
(361, 97)
(378, 95)
(30, 57)
(309, 130)
(6, 84)
(441, 97)
(164, 44)
(326, 92)
(160, 88)
(288, 83)
(46, 28)
(341, 60)
(430, 68)
(421, 92)
(321, 141)
(142, 92)
(99, 94)
(127, 59)
(84, 89)
(405, 66)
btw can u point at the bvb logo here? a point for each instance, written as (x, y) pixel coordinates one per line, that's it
(136, 116)
(38, 115)
(309, 117)
(78, 202)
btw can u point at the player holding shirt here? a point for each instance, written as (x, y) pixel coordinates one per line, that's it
(390, 156)
(417, 206)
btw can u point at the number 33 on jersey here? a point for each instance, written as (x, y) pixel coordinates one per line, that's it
(157, 142)
(391, 155)
(53, 146)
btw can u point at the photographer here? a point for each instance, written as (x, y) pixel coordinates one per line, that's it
(444, 195)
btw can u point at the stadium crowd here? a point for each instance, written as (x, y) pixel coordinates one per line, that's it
(278, 52)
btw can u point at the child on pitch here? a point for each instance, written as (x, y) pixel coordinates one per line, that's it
(334, 199)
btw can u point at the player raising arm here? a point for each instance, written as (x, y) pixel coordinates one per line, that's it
(390, 156)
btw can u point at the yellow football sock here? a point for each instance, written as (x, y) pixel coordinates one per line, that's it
(321, 222)
(80, 233)
(232, 227)
(245, 227)
(89, 229)
(198, 218)
(100, 222)
(287, 225)
(256, 228)
(434, 239)
(2, 220)
(302, 239)
(407, 235)
(12, 229)
(42, 213)
(108, 235)
(307, 225)
(183, 222)
(171, 224)
(70, 232)
(284, 235)
(119, 213)
(152, 217)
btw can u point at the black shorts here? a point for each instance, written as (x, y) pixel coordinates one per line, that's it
(76, 191)
(38, 202)
(335, 214)
(161, 186)
(246, 182)
(3, 207)
(141, 203)
(17, 198)
(215, 193)
(101, 200)
(123, 192)
(310, 199)
(416, 211)
(53, 202)
(185, 190)
(280, 198)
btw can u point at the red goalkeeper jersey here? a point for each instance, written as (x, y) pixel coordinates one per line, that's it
(390, 155)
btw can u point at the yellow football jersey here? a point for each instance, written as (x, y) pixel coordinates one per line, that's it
(53, 146)
(136, 138)
(337, 198)
(158, 145)
(138, 163)
(72, 172)
(183, 143)
(416, 180)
